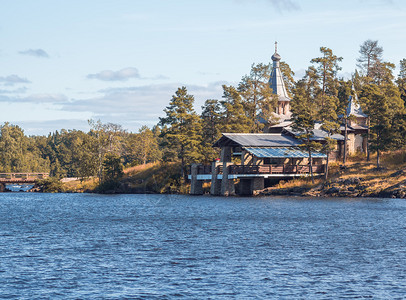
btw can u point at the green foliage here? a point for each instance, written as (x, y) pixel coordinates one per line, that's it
(234, 118)
(181, 130)
(211, 117)
(256, 95)
(288, 79)
(50, 185)
(112, 167)
(304, 114)
(401, 80)
(141, 147)
(19, 153)
(382, 102)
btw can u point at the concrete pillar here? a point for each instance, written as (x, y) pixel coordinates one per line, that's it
(225, 155)
(245, 187)
(227, 185)
(215, 187)
(249, 185)
(257, 184)
(196, 186)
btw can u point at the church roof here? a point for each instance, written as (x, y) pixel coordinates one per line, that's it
(354, 108)
(276, 80)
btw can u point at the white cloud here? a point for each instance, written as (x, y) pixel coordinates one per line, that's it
(36, 98)
(121, 75)
(140, 105)
(35, 52)
(13, 79)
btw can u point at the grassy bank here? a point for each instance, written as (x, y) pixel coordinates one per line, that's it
(149, 178)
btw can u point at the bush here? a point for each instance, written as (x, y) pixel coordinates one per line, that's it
(50, 185)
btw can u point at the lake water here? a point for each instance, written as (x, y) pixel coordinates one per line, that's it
(78, 246)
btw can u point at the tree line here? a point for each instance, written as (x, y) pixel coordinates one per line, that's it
(185, 136)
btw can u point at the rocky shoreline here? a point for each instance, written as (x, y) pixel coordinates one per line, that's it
(351, 187)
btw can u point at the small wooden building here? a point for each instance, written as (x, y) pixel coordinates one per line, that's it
(250, 162)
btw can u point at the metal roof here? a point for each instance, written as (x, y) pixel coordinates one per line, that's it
(256, 140)
(318, 134)
(282, 152)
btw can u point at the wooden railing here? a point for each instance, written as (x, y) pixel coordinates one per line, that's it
(275, 169)
(264, 169)
(203, 169)
(22, 177)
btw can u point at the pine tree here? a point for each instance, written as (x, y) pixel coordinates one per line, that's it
(326, 72)
(370, 57)
(181, 131)
(304, 115)
(288, 79)
(211, 123)
(401, 80)
(233, 118)
(256, 93)
(378, 110)
(326, 96)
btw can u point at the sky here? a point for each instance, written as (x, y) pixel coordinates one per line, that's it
(65, 62)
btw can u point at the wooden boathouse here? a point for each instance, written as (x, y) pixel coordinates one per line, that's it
(251, 161)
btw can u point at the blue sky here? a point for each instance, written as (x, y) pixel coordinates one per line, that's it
(64, 62)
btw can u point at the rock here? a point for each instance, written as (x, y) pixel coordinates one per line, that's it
(351, 189)
(398, 173)
(333, 190)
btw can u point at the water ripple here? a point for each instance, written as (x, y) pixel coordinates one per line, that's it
(164, 247)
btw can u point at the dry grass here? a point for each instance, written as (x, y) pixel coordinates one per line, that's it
(81, 186)
(139, 168)
(155, 178)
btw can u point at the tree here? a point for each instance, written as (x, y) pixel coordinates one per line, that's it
(288, 79)
(304, 115)
(326, 73)
(107, 139)
(211, 124)
(401, 80)
(370, 57)
(233, 118)
(112, 167)
(19, 153)
(378, 110)
(181, 130)
(256, 93)
(142, 147)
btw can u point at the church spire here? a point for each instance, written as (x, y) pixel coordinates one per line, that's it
(276, 80)
(353, 105)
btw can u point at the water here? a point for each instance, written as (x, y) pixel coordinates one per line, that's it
(75, 246)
